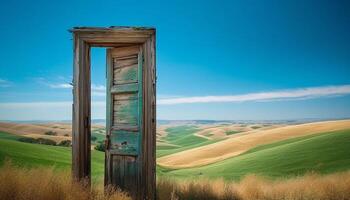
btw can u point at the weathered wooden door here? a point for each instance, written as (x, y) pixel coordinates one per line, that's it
(124, 118)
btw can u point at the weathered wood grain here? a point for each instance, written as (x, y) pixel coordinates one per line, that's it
(125, 62)
(125, 131)
(123, 88)
(81, 165)
(128, 74)
(130, 140)
(126, 52)
(149, 120)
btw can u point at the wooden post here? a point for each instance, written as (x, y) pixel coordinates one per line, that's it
(149, 126)
(81, 165)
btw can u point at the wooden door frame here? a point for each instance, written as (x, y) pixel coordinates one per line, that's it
(85, 38)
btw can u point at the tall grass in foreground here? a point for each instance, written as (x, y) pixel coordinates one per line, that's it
(46, 183)
(308, 187)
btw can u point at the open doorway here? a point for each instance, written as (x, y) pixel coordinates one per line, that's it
(98, 113)
(130, 107)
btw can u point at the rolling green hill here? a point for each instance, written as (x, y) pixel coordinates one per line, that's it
(322, 153)
(30, 155)
(183, 138)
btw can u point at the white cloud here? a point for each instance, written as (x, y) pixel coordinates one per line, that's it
(96, 90)
(63, 83)
(4, 83)
(63, 109)
(61, 86)
(291, 94)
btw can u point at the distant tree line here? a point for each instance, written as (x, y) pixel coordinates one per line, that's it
(65, 143)
(51, 133)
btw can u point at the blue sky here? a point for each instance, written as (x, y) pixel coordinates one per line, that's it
(215, 60)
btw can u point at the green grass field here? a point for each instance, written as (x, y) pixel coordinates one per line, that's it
(31, 155)
(183, 137)
(99, 134)
(321, 153)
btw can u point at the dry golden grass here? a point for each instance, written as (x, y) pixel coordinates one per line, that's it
(47, 184)
(220, 131)
(308, 187)
(40, 129)
(243, 142)
(63, 130)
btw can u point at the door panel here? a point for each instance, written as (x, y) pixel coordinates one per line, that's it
(125, 109)
(123, 172)
(124, 114)
(125, 142)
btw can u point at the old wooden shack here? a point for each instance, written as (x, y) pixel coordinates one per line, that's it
(131, 107)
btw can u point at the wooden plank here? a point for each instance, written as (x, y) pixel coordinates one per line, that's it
(109, 45)
(109, 115)
(131, 174)
(126, 75)
(126, 52)
(125, 88)
(126, 112)
(125, 141)
(140, 97)
(81, 167)
(125, 173)
(148, 177)
(100, 37)
(127, 127)
(125, 96)
(119, 153)
(149, 30)
(95, 41)
(126, 62)
(108, 32)
(117, 175)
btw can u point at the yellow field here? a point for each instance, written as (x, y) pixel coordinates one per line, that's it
(220, 131)
(240, 143)
(63, 130)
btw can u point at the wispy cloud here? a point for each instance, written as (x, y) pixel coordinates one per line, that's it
(5, 83)
(96, 90)
(61, 85)
(290, 94)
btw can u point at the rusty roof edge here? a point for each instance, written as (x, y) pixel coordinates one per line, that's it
(111, 28)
